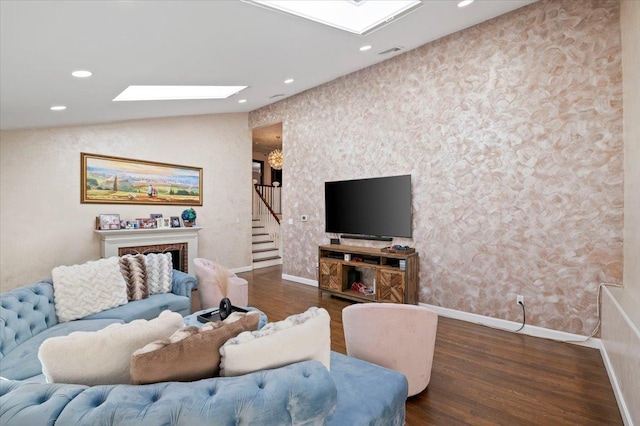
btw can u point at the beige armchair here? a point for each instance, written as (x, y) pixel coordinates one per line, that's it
(216, 283)
(396, 336)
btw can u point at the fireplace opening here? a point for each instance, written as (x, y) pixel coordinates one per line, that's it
(179, 254)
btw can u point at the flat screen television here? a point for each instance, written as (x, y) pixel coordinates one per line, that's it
(375, 207)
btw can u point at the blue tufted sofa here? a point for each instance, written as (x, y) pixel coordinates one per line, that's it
(28, 317)
(354, 392)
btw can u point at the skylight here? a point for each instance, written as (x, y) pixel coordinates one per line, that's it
(164, 93)
(355, 16)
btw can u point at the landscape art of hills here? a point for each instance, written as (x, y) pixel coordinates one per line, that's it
(122, 181)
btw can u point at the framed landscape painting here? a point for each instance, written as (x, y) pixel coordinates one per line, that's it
(114, 180)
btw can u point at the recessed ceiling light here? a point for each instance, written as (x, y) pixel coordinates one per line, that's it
(241, 101)
(365, 48)
(58, 108)
(164, 93)
(288, 81)
(82, 73)
(464, 3)
(357, 17)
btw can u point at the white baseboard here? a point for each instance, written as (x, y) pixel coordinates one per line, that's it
(306, 281)
(529, 330)
(611, 370)
(617, 391)
(241, 269)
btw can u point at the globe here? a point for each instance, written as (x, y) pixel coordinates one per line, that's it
(189, 216)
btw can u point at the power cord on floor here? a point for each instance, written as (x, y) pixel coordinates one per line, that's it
(524, 316)
(506, 329)
(595, 330)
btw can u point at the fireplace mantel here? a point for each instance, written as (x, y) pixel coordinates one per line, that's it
(111, 241)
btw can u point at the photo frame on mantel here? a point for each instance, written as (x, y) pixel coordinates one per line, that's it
(115, 180)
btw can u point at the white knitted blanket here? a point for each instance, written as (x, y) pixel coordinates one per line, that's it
(86, 289)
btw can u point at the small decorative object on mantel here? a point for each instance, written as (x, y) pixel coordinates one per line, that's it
(175, 222)
(109, 221)
(189, 217)
(146, 223)
(163, 222)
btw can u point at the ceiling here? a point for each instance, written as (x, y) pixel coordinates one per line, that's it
(187, 43)
(267, 138)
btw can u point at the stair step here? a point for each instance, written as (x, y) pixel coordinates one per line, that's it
(263, 263)
(263, 245)
(262, 238)
(263, 250)
(264, 259)
(271, 253)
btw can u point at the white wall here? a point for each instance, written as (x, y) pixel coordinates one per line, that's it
(630, 28)
(43, 224)
(621, 307)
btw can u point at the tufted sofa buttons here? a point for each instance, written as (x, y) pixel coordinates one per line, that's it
(26, 312)
(285, 396)
(98, 400)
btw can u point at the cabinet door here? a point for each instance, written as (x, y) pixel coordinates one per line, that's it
(330, 275)
(390, 286)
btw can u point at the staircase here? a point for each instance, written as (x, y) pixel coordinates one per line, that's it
(265, 251)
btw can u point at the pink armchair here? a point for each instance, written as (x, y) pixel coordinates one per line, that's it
(211, 287)
(398, 337)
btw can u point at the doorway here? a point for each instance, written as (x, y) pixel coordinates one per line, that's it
(265, 140)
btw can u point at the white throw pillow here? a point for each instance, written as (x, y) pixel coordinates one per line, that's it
(301, 337)
(159, 272)
(86, 289)
(102, 357)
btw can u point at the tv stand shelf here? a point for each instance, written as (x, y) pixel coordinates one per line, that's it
(379, 271)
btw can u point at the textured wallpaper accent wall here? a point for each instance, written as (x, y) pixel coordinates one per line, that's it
(43, 224)
(512, 132)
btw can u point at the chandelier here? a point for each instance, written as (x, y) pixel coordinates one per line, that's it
(275, 159)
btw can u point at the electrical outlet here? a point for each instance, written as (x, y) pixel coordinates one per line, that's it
(520, 299)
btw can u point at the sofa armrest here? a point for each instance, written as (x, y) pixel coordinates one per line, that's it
(182, 284)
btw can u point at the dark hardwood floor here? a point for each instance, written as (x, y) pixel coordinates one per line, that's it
(480, 376)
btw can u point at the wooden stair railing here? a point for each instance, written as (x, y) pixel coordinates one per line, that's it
(266, 214)
(266, 204)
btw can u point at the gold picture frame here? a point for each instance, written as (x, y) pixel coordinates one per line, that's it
(116, 180)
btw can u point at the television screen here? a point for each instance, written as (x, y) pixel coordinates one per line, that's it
(376, 207)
